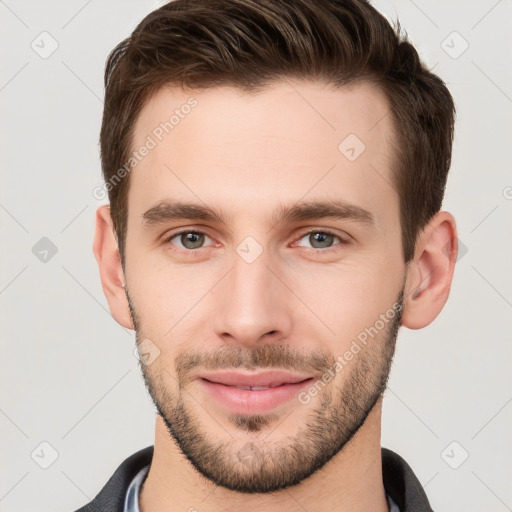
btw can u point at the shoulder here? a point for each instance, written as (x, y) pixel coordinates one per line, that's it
(111, 496)
(402, 484)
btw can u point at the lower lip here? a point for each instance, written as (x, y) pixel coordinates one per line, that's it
(246, 401)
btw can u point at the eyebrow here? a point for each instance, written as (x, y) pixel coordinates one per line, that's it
(166, 211)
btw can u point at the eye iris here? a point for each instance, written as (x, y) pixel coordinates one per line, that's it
(321, 238)
(195, 239)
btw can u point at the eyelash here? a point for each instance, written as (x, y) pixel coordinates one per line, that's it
(311, 249)
(342, 241)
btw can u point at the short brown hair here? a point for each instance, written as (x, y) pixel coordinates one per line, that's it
(251, 43)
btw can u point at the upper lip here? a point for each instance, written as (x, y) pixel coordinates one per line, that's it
(267, 378)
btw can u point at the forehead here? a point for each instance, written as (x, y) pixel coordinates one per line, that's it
(294, 139)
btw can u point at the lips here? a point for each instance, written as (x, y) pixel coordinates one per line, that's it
(254, 381)
(253, 393)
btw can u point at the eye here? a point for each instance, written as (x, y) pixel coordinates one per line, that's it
(322, 241)
(188, 240)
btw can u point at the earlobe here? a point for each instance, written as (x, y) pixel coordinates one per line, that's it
(430, 273)
(106, 252)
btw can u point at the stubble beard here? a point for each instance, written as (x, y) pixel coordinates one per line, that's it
(254, 464)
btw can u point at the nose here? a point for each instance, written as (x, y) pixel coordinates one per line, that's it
(252, 305)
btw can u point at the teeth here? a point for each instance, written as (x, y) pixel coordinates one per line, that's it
(252, 388)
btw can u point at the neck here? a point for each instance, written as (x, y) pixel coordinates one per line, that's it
(350, 481)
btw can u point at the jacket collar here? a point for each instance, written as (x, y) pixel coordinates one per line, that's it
(399, 481)
(111, 497)
(402, 484)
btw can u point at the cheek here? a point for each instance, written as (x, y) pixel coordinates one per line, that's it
(340, 302)
(172, 303)
(157, 283)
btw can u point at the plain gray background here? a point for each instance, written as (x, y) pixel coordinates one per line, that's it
(70, 379)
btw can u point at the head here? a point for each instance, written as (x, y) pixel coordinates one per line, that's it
(275, 173)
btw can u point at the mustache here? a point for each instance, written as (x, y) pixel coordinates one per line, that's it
(260, 358)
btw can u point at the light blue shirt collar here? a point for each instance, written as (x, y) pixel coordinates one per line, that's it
(131, 500)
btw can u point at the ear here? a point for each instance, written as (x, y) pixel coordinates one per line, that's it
(106, 252)
(430, 273)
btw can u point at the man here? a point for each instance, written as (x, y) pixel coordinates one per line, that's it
(275, 173)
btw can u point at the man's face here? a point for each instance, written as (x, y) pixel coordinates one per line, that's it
(254, 290)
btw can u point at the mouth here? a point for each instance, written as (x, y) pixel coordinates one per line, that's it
(253, 388)
(255, 381)
(253, 393)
